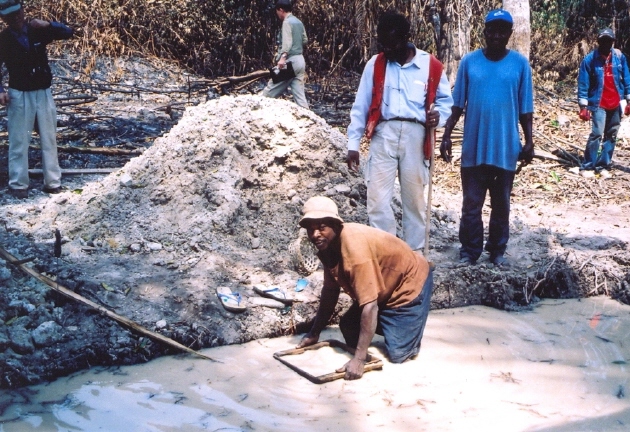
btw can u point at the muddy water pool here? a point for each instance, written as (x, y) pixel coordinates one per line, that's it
(562, 366)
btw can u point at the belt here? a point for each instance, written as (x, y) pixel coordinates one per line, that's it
(403, 119)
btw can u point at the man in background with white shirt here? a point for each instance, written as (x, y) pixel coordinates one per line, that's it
(397, 140)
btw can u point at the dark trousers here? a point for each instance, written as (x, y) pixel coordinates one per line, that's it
(476, 181)
(401, 327)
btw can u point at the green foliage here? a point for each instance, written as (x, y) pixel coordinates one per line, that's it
(547, 16)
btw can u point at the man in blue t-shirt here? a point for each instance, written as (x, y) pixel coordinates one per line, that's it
(494, 85)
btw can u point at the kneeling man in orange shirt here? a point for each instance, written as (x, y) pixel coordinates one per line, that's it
(390, 284)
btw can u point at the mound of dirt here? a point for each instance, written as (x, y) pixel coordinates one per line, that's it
(230, 178)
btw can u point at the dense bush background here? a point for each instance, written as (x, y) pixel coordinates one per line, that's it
(226, 37)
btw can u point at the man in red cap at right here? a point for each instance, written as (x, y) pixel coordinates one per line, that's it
(603, 81)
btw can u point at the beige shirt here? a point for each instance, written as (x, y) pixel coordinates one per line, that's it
(375, 265)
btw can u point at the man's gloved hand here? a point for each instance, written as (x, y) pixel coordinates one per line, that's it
(626, 110)
(585, 114)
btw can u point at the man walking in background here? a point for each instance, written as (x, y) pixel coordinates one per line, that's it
(399, 80)
(293, 39)
(29, 99)
(602, 81)
(494, 85)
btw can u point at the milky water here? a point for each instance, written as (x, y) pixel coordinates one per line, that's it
(561, 367)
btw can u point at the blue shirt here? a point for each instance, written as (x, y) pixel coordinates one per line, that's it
(494, 94)
(403, 96)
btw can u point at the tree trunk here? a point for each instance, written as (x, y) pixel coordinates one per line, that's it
(453, 34)
(366, 18)
(520, 40)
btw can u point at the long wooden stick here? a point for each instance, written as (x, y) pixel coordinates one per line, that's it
(76, 171)
(74, 296)
(91, 150)
(427, 222)
(563, 151)
(100, 150)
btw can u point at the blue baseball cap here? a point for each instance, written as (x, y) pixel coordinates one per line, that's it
(499, 15)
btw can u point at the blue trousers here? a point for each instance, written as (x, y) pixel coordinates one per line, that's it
(605, 125)
(476, 181)
(401, 327)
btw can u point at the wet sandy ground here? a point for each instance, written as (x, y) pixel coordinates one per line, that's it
(561, 367)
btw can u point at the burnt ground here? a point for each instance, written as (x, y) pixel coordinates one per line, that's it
(214, 198)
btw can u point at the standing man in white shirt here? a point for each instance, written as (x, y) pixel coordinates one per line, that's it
(397, 141)
(291, 50)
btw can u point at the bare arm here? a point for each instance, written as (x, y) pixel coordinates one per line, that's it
(369, 317)
(327, 304)
(526, 121)
(447, 144)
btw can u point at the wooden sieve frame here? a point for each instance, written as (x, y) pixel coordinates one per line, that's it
(371, 362)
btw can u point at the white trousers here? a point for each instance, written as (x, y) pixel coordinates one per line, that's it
(26, 107)
(297, 84)
(396, 149)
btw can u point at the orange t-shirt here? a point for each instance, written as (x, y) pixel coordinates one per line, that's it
(375, 265)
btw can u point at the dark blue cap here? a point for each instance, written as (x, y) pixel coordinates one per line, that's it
(606, 33)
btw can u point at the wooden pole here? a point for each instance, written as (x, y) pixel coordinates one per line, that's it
(427, 222)
(73, 171)
(74, 296)
(110, 151)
